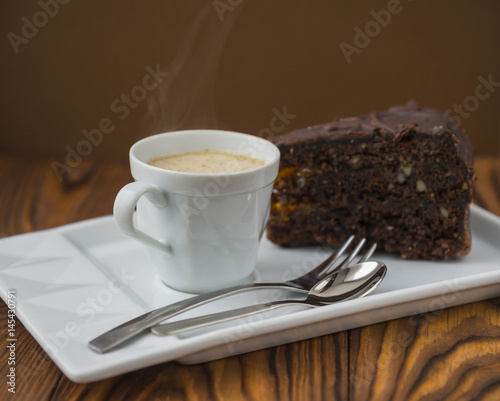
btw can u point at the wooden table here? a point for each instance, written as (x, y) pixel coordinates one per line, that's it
(451, 354)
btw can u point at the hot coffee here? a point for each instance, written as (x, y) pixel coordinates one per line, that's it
(207, 162)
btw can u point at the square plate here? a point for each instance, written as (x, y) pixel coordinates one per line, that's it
(74, 282)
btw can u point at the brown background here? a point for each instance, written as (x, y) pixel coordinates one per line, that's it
(231, 64)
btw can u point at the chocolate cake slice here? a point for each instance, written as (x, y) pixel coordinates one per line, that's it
(401, 178)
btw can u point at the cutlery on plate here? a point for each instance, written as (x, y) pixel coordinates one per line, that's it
(118, 335)
(351, 282)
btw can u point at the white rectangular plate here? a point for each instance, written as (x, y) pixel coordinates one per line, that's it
(74, 282)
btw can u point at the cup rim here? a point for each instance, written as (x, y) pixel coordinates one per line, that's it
(155, 137)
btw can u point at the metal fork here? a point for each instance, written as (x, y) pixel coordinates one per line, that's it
(109, 340)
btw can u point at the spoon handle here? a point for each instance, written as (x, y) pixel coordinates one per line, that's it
(208, 320)
(114, 337)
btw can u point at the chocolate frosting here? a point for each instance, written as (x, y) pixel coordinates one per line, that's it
(393, 124)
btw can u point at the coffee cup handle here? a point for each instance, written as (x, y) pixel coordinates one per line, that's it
(124, 207)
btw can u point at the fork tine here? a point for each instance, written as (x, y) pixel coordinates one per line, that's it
(368, 254)
(324, 267)
(353, 254)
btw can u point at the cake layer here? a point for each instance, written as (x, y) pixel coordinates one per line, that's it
(409, 228)
(399, 183)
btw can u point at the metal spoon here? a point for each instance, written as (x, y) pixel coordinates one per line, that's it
(351, 282)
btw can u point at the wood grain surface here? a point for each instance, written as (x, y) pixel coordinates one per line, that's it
(449, 354)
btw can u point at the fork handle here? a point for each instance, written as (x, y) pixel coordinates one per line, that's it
(208, 320)
(114, 337)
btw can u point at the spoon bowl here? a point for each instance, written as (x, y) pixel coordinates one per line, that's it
(352, 282)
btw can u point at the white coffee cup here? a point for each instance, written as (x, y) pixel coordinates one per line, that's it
(202, 231)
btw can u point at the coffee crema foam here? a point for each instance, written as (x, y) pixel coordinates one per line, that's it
(207, 162)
